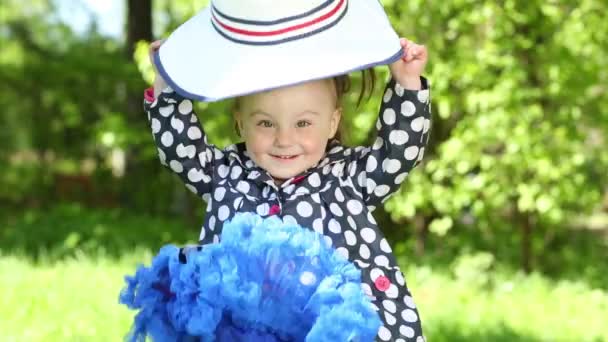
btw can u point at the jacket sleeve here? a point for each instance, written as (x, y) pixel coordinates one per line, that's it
(181, 141)
(403, 127)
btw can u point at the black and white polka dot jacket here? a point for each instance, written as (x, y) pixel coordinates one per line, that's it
(336, 197)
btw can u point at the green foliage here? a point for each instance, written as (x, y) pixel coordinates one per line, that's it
(71, 230)
(521, 114)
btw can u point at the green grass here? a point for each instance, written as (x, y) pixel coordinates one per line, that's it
(76, 300)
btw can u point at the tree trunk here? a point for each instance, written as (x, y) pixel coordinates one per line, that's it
(526, 243)
(421, 227)
(139, 23)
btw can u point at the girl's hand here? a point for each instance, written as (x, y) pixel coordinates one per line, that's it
(159, 82)
(409, 68)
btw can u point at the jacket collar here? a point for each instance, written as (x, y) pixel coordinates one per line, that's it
(334, 152)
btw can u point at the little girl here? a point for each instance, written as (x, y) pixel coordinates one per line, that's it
(291, 165)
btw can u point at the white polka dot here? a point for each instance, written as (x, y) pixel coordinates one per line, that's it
(223, 213)
(375, 273)
(201, 236)
(193, 189)
(316, 198)
(354, 207)
(370, 185)
(290, 220)
(328, 241)
(155, 125)
(339, 195)
(371, 218)
(406, 331)
(185, 107)
(391, 165)
(317, 225)
(364, 251)
(243, 187)
(337, 169)
(409, 301)
(186, 151)
(398, 137)
(343, 252)
(304, 209)
(399, 89)
(195, 175)
(336, 210)
(212, 222)
(421, 154)
(392, 291)
(389, 305)
(219, 194)
(371, 164)
(361, 179)
(389, 116)
(223, 170)
(368, 235)
(308, 278)
(236, 172)
(387, 95)
(350, 237)
(352, 223)
(176, 166)
(390, 319)
(382, 190)
(334, 226)
(399, 278)
(378, 144)
(423, 96)
(411, 153)
(166, 111)
(161, 156)
(408, 108)
(263, 209)
(194, 133)
(167, 139)
(409, 315)
(381, 260)
(417, 124)
(384, 334)
(384, 246)
(314, 180)
(420, 339)
(177, 124)
(237, 203)
(399, 179)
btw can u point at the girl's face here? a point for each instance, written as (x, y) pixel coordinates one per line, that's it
(286, 130)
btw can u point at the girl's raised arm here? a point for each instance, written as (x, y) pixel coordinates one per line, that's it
(180, 139)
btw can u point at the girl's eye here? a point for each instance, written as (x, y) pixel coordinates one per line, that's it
(302, 124)
(265, 123)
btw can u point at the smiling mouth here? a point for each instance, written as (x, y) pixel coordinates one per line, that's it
(283, 157)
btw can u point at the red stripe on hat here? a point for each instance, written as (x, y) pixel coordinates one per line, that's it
(281, 31)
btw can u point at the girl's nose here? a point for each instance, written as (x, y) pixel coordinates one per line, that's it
(284, 137)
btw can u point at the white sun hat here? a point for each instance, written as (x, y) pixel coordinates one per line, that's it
(238, 47)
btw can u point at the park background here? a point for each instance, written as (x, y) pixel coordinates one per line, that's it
(502, 231)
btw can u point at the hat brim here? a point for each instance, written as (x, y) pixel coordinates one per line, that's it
(199, 63)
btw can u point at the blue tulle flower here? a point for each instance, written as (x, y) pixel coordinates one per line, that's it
(266, 281)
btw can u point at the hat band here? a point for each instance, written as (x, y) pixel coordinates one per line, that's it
(283, 30)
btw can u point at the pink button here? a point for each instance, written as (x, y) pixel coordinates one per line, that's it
(275, 209)
(382, 283)
(149, 94)
(298, 179)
